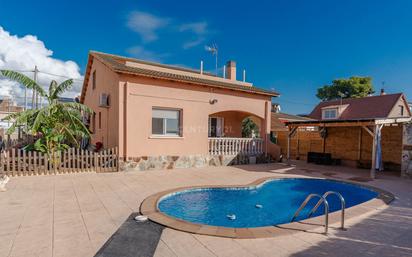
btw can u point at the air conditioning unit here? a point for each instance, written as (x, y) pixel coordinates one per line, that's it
(104, 100)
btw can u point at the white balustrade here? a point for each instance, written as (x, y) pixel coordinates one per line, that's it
(235, 146)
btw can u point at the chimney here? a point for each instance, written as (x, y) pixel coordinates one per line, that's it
(383, 91)
(231, 70)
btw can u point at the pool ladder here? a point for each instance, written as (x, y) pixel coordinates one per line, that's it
(322, 199)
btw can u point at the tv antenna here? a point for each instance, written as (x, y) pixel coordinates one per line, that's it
(213, 49)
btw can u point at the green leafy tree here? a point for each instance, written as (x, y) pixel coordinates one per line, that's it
(57, 125)
(248, 126)
(354, 87)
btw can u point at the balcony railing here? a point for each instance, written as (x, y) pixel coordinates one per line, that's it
(235, 146)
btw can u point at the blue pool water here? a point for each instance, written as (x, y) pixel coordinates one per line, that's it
(279, 199)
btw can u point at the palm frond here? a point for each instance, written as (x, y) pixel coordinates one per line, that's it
(39, 119)
(76, 122)
(69, 134)
(57, 91)
(23, 118)
(77, 106)
(24, 80)
(52, 86)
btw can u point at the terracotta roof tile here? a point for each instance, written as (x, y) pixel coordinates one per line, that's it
(278, 120)
(117, 63)
(371, 107)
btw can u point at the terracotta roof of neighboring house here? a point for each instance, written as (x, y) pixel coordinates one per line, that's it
(118, 64)
(279, 119)
(371, 107)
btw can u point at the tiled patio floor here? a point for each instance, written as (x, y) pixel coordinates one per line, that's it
(74, 215)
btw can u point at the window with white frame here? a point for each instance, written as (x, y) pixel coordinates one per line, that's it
(166, 122)
(330, 113)
(216, 127)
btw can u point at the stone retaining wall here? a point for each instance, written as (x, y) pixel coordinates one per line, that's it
(407, 151)
(187, 161)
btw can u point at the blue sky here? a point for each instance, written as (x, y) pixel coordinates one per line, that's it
(293, 47)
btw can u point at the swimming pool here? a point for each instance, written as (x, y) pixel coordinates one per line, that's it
(270, 203)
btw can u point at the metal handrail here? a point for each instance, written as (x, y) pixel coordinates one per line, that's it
(323, 200)
(342, 202)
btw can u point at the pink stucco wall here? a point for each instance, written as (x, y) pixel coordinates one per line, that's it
(127, 123)
(106, 82)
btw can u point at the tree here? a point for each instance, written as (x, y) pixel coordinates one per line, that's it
(248, 127)
(56, 125)
(354, 87)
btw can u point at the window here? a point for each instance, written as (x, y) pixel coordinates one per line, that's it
(329, 114)
(100, 120)
(401, 111)
(93, 125)
(94, 80)
(273, 137)
(166, 122)
(216, 126)
(104, 100)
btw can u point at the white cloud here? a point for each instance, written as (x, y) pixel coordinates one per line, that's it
(199, 31)
(23, 53)
(141, 53)
(199, 28)
(146, 24)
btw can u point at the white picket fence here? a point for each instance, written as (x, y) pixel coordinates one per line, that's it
(17, 162)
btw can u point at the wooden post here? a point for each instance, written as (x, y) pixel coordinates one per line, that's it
(34, 163)
(290, 135)
(360, 144)
(77, 160)
(116, 152)
(23, 163)
(288, 149)
(71, 160)
(86, 157)
(8, 161)
(18, 164)
(96, 165)
(46, 164)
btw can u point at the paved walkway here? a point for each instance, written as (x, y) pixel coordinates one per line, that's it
(74, 215)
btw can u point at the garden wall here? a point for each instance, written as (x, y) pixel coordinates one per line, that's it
(407, 151)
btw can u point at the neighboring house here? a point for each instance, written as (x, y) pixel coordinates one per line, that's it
(7, 107)
(363, 132)
(163, 116)
(279, 121)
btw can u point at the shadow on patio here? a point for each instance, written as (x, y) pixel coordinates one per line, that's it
(388, 233)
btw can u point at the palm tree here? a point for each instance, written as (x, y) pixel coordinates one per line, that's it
(56, 125)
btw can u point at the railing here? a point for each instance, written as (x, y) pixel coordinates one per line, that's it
(235, 146)
(342, 207)
(323, 200)
(17, 162)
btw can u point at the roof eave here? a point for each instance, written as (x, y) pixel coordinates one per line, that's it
(272, 94)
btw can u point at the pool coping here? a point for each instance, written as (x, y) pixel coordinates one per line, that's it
(149, 208)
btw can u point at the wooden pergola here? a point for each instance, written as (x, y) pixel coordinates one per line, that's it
(372, 126)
